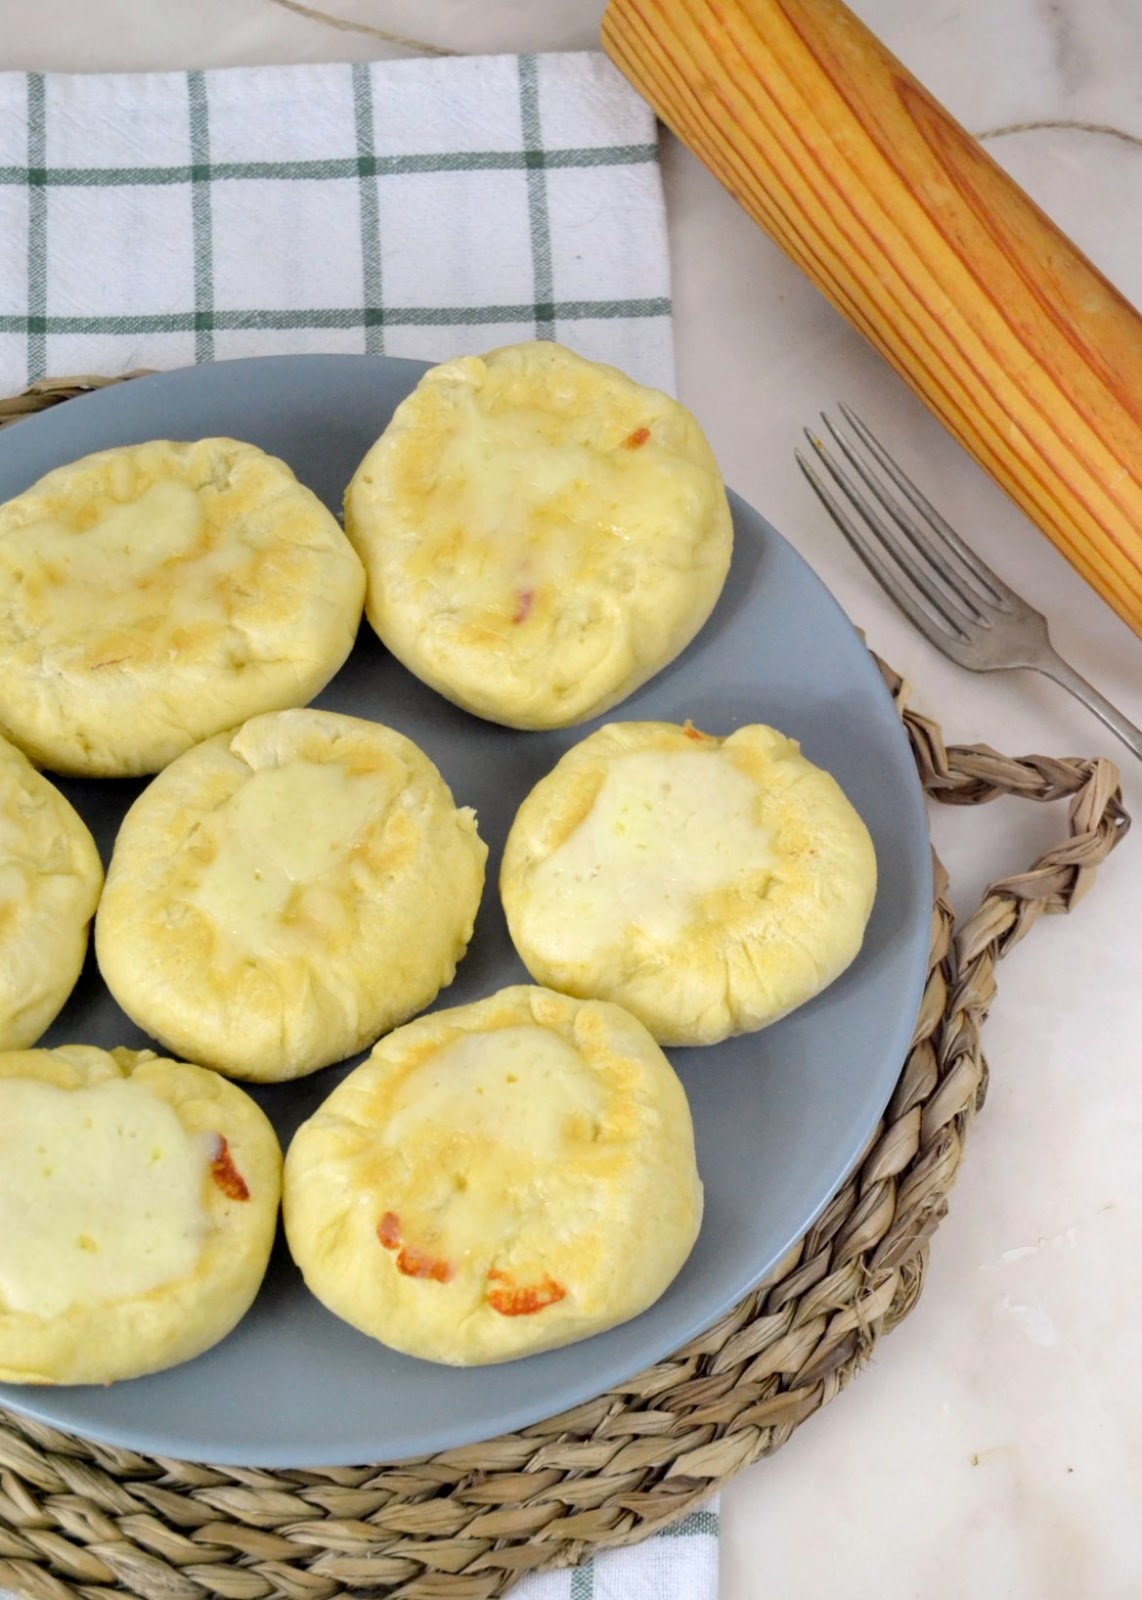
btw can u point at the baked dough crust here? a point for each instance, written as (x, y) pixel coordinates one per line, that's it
(82, 1307)
(497, 1179)
(541, 533)
(281, 895)
(709, 885)
(158, 593)
(50, 878)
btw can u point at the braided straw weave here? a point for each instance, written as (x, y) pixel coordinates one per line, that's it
(83, 1519)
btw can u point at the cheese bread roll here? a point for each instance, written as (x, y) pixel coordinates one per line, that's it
(281, 895)
(138, 1203)
(709, 885)
(154, 594)
(50, 878)
(497, 1179)
(541, 534)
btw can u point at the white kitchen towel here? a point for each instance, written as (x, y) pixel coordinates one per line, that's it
(422, 208)
(679, 1564)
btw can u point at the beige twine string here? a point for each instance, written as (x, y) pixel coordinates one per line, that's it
(83, 1519)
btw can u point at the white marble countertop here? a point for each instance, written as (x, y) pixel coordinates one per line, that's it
(994, 1446)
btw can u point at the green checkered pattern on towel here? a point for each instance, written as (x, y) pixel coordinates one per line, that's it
(680, 1563)
(416, 208)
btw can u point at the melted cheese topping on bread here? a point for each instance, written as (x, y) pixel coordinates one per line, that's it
(284, 831)
(613, 869)
(535, 502)
(100, 1194)
(495, 1111)
(522, 1088)
(122, 546)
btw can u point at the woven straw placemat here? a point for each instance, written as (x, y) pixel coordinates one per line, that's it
(79, 1518)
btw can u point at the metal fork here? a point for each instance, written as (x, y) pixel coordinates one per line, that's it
(955, 600)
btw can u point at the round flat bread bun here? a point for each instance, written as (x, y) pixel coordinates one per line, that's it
(158, 593)
(50, 878)
(138, 1204)
(541, 534)
(709, 885)
(283, 894)
(497, 1179)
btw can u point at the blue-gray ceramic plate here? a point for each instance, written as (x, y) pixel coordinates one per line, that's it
(780, 1117)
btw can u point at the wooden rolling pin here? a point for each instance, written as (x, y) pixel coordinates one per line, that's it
(1003, 328)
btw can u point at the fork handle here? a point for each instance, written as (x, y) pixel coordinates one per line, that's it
(1062, 672)
(1008, 333)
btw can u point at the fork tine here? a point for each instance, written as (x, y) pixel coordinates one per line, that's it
(924, 546)
(995, 591)
(954, 618)
(883, 573)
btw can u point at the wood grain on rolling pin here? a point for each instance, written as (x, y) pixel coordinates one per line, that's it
(1016, 342)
